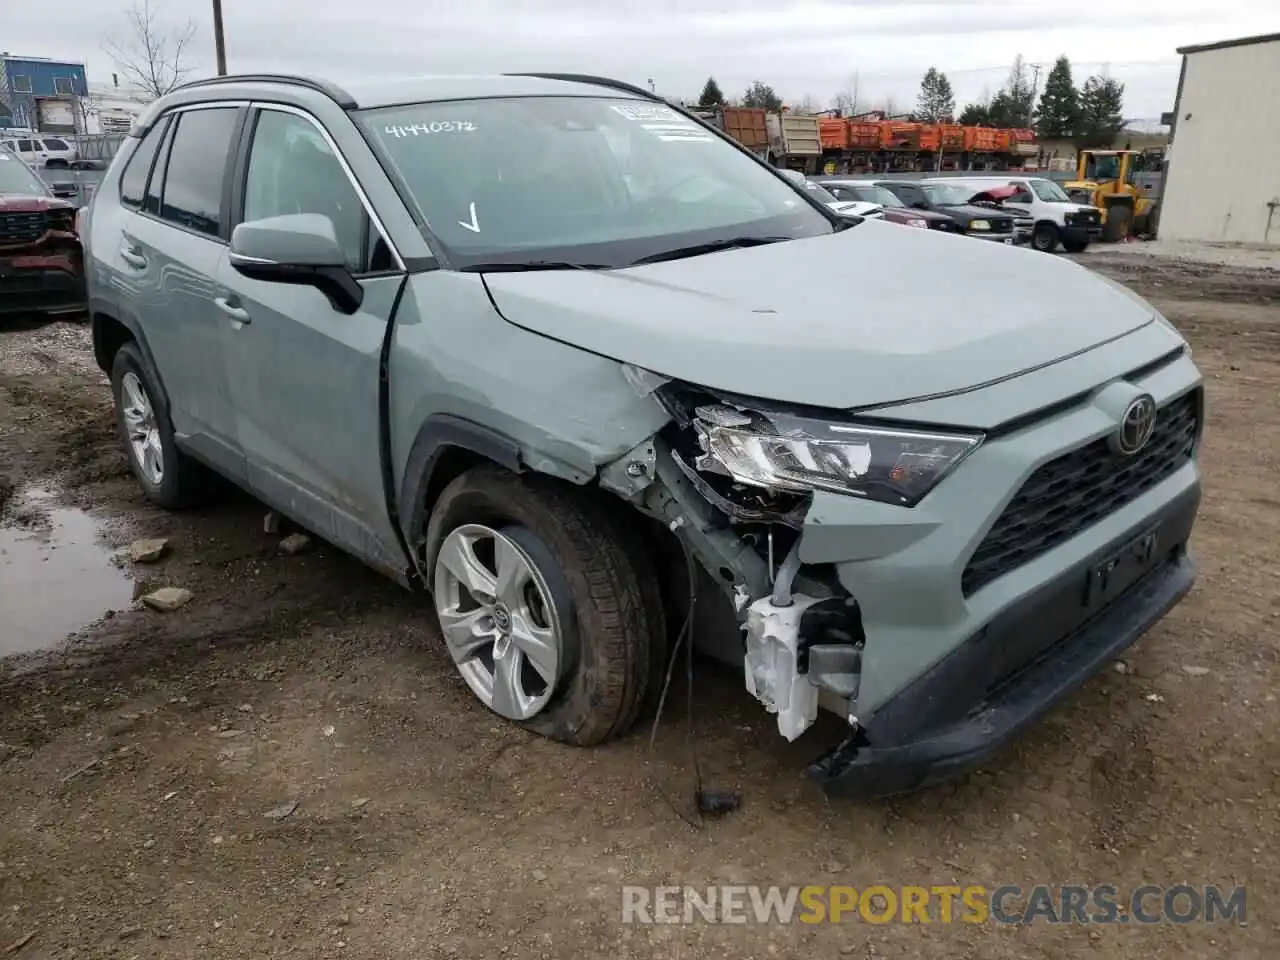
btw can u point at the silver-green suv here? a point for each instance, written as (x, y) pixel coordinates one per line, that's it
(557, 352)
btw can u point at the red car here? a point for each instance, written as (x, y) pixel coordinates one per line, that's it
(41, 261)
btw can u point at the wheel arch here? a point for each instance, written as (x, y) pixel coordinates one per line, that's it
(446, 447)
(109, 333)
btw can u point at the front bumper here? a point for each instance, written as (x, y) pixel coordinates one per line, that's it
(906, 570)
(1014, 670)
(1007, 237)
(46, 283)
(1081, 234)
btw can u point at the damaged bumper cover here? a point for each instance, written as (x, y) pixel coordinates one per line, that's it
(932, 731)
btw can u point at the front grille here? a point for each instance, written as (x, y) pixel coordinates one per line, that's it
(1070, 494)
(1001, 226)
(944, 225)
(21, 227)
(1082, 219)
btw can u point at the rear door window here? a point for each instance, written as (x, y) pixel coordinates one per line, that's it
(52, 143)
(196, 169)
(134, 179)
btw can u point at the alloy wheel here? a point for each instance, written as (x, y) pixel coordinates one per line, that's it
(144, 433)
(498, 620)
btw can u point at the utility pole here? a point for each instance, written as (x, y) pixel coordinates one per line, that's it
(1035, 87)
(219, 42)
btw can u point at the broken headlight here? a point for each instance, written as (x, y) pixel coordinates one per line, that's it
(784, 452)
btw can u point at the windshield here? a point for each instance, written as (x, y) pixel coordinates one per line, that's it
(16, 178)
(1049, 191)
(596, 181)
(947, 194)
(874, 194)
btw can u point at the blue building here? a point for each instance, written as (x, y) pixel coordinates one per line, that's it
(41, 94)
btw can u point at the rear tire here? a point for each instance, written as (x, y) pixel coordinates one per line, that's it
(604, 594)
(168, 477)
(1045, 237)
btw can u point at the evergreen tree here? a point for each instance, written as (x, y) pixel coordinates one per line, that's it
(936, 102)
(1059, 109)
(760, 94)
(1011, 107)
(1101, 112)
(712, 96)
(976, 115)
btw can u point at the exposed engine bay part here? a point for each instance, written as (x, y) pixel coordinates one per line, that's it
(795, 651)
(773, 674)
(631, 473)
(729, 557)
(786, 577)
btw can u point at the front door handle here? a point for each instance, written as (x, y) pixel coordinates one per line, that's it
(133, 257)
(238, 314)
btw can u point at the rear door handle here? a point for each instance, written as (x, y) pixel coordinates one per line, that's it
(133, 257)
(238, 314)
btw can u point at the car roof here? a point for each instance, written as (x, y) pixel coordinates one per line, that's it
(386, 92)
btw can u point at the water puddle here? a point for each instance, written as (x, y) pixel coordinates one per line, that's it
(55, 576)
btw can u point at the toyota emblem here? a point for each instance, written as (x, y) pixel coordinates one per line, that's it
(1136, 426)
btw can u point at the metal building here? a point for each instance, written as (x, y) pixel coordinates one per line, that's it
(1223, 178)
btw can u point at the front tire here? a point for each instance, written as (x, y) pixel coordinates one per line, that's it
(550, 614)
(1075, 246)
(168, 477)
(1045, 237)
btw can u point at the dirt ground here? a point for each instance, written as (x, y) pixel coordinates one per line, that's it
(139, 761)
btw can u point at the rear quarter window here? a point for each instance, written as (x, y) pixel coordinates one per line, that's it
(133, 182)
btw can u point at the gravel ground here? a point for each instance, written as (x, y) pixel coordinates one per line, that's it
(151, 764)
(1188, 251)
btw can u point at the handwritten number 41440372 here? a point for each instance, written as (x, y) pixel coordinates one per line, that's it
(435, 126)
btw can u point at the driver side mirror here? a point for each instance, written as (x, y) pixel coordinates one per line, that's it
(301, 249)
(65, 190)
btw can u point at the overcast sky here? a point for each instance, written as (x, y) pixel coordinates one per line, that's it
(799, 48)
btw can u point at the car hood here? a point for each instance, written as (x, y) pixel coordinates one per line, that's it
(919, 214)
(25, 203)
(843, 320)
(974, 212)
(859, 208)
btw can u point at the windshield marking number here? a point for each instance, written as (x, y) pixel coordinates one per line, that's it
(435, 126)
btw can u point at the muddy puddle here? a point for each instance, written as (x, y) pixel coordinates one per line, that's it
(56, 575)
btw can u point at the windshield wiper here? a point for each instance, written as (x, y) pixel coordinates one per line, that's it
(699, 249)
(523, 266)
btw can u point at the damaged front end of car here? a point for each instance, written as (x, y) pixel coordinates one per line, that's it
(736, 478)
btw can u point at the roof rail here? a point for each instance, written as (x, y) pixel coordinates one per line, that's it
(597, 81)
(330, 90)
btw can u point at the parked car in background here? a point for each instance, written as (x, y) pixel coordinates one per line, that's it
(430, 319)
(952, 201)
(857, 208)
(41, 262)
(39, 151)
(1051, 217)
(868, 191)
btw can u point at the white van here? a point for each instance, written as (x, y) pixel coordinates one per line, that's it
(39, 150)
(1049, 217)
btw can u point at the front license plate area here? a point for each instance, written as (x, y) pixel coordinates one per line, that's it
(1119, 570)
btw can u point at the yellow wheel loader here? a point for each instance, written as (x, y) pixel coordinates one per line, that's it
(1105, 179)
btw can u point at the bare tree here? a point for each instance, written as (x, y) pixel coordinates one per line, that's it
(806, 105)
(846, 101)
(153, 56)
